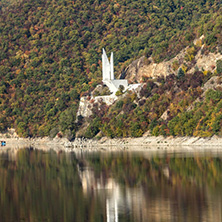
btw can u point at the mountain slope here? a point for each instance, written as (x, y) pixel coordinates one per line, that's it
(50, 51)
(171, 106)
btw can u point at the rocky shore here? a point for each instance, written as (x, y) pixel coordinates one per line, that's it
(141, 143)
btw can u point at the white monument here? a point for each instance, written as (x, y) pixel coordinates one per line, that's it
(108, 74)
(108, 70)
(85, 105)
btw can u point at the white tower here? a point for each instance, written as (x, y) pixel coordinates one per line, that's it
(107, 67)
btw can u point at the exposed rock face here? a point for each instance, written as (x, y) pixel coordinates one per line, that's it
(9, 133)
(148, 68)
(206, 62)
(86, 103)
(131, 72)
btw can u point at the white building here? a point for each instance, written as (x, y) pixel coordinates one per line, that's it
(108, 74)
(86, 104)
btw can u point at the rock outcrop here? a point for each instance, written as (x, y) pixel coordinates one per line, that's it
(86, 103)
(148, 68)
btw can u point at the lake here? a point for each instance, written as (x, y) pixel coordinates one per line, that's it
(110, 186)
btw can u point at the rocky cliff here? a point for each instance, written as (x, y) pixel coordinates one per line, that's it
(190, 59)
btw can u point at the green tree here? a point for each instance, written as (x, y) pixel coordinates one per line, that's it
(219, 66)
(180, 73)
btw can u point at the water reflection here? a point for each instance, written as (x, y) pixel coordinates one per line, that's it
(164, 194)
(107, 188)
(121, 186)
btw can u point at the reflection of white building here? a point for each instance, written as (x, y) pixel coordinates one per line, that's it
(112, 205)
(124, 201)
(113, 195)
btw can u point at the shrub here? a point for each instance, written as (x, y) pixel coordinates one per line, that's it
(180, 73)
(219, 66)
(120, 91)
(213, 95)
(119, 104)
(175, 65)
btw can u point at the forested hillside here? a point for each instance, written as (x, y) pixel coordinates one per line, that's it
(175, 106)
(50, 51)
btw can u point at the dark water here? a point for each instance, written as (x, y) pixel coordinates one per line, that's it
(123, 186)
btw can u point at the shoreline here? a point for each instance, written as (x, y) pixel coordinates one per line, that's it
(107, 144)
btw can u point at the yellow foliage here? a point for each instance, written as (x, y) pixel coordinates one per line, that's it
(191, 50)
(190, 54)
(199, 43)
(175, 65)
(155, 131)
(205, 72)
(139, 133)
(17, 71)
(173, 108)
(184, 68)
(133, 97)
(202, 133)
(177, 130)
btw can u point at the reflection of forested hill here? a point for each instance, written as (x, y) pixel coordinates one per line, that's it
(50, 51)
(153, 170)
(159, 187)
(132, 186)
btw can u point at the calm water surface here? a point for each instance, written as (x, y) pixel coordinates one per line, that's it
(121, 186)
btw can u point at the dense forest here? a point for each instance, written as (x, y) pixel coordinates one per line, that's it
(50, 54)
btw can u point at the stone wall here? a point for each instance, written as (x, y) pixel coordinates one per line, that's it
(118, 82)
(114, 84)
